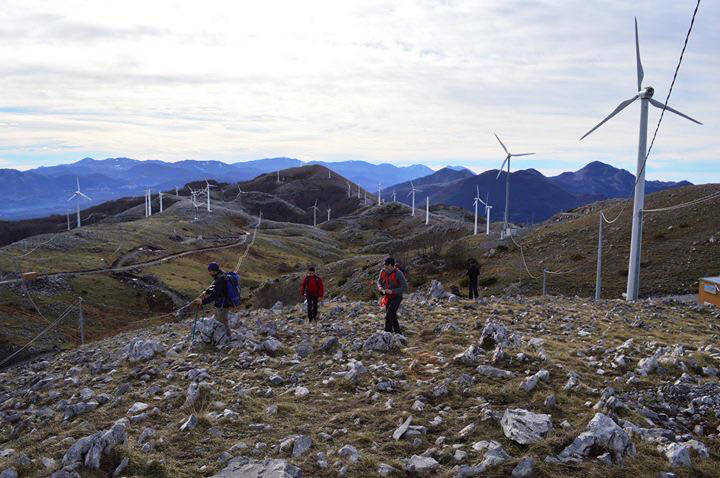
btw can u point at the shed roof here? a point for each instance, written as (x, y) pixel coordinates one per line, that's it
(714, 280)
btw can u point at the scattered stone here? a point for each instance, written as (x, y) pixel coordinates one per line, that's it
(525, 427)
(524, 469)
(421, 466)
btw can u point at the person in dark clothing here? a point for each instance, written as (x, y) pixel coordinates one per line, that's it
(472, 273)
(217, 294)
(312, 289)
(392, 284)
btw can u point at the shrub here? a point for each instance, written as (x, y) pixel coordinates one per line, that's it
(487, 281)
(455, 254)
(577, 257)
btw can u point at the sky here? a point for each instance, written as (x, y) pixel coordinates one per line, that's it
(402, 82)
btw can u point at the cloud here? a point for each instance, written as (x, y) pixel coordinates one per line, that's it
(401, 82)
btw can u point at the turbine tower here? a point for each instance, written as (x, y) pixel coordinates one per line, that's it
(506, 232)
(412, 192)
(394, 197)
(476, 201)
(349, 190)
(427, 210)
(487, 212)
(77, 195)
(379, 194)
(207, 191)
(67, 213)
(160, 195)
(315, 209)
(646, 97)
(278, 176)
(329, 214)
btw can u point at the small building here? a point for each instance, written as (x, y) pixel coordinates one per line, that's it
(709, 292)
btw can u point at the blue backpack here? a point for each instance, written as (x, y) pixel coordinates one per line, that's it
(232, 286)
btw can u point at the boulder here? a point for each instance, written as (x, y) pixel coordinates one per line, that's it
(421, 466)
(489, 371)
(602, 433)
(140, 350)
(436, 290)
(525, 427)
(470, 356)
(89, 450)
(493, 334)
(211, 332)
(384, 342)
(242, 467)
(524, 469)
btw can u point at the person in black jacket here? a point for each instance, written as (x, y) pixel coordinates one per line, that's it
(217, 294)
(473, 273)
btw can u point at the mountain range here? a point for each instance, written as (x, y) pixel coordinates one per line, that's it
(534, 197)
(42, 191)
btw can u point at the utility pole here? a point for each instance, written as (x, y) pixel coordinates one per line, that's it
(81, 322)
(598, 273)
(160, 196)
(149, 203)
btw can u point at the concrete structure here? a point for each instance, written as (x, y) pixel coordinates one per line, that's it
(709, 292)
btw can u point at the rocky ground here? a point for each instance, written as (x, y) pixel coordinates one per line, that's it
(540, 386)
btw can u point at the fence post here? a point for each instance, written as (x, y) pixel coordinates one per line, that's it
(598, 273)
(544, 282)
(81, 322)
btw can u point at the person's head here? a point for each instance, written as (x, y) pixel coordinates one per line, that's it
(398, 265)
(389, 264)
(213, 268)
(311, 271)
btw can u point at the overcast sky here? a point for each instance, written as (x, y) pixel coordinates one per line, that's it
(400, 82)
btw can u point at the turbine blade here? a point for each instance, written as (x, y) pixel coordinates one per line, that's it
(657, 104)
(78, 182)
(522, 154)
(501, 144)
(501, 167)
(71, 197)
(640, 73)
(85, 196)
(617, 110)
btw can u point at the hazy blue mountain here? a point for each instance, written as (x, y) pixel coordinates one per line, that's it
(368, 175)
(268, 165)
(598, 180)
(532, 196)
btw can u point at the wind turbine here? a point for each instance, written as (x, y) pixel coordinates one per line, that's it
(412, 192)
(427, 210)
(193, 198)
(646, 97)
(476, 201)
(507, 182)
(379, 194)
(315, 209)
(329, 214)
(160, 195)
(487, 211)
(207, 189)
(349, 189)
(67, 213)
(176, 191)
(278, 176)
(78, 194)
(394, 197)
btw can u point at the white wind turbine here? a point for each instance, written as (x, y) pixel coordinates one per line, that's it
(379, 201)
(176, 190)
(506, 232)
(78, 195)
(160, 196)
(394, 197)
(412, 192)
(207, 191)
(427, 210)
(646, 97)
(278, 176)
(349, 189)
(476, 201)
(487, 211)
(315, 209)
(196, 204)
(328, 211)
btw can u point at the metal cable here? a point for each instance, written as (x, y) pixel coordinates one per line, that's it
(53, 324)
(662, 113)
(687, 204)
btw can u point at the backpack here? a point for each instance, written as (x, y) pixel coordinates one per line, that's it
(232, 288)
(307, 281)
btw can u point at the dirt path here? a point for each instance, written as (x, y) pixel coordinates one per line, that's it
(153, 262)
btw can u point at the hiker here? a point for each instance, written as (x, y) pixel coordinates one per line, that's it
(217, 293)
(312, 289)
(391, 284)
(472, 273)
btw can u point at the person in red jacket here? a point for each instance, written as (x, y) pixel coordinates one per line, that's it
(311, 288)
